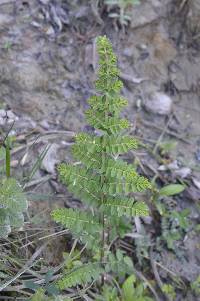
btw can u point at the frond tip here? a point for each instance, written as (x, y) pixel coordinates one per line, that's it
(108, 72)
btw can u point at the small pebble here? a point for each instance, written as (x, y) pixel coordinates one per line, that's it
(44, 124)
(14, 163)
(196, 182)
(2, 113)
(128, 52)
(198, 155)
(11, 115)
(183, 172)
(158, 103)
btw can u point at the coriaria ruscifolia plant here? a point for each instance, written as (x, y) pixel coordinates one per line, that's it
(99, 178)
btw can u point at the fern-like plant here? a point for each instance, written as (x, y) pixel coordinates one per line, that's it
(99, 178)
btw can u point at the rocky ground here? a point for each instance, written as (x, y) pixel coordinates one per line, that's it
(47, 69)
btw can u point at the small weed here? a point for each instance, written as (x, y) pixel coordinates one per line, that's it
(7, 45)
(134, 290)
(169, 290)
(195, 286)
(174, 225)
(122, 6)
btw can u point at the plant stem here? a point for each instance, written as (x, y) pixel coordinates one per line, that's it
(7, 157)
(102, 182)
(102, 220)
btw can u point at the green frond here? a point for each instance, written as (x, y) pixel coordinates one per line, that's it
(141, 183)
(89, 195)
(111, 187)
(81, 153)
(114, 125)
(84, 226)
(112, 104)
(76, 220)
(95, 118)
(92, 142)
(119, 144)
(127, 177)
(110, 124)
(126, 206)
(76, 176)
(132, 183)
(87, 149)
(81, 182)
(12, 196)
(119, 169)
(81, 275)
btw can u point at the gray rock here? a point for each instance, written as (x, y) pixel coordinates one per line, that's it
(51, 159)
(158, 103)
(24, 122)
(142, 15)
(190, 269)
(187, 74)
(44, 123)
(128, 52)
(2, 121)
(11, 115)
(183, 172)
(5, 19)
(2, 113)
(7, 117)
(44, 1)
(30, 76)
(171, 166)
(194, 14)
(196, 182)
